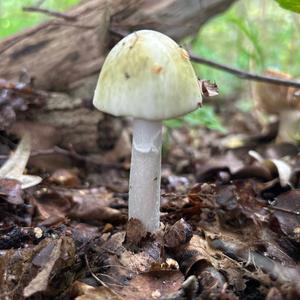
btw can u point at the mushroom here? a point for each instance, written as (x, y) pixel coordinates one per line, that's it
(149, 77)
(281, 102)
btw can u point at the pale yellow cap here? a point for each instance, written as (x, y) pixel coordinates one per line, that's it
(148, 76)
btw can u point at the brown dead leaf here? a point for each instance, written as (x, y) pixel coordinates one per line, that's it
(208, 89)
(229, 163)
(64, 177)
(82, 291)
(178, 234)
(194, 255)
(135, 232)
(10, 190)
(41, 281)
(82, 233)
(239, 207)
(153, 285)
(94, 206)
(120, 263)
(51, 204)
(90, 205)
(288, 213)
(51, 260)
(277, 166)
(15, 166)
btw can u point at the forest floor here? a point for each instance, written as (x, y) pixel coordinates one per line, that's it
(230, 222)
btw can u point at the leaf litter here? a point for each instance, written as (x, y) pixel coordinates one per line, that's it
(230, 221)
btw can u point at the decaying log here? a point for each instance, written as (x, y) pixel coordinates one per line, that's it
(66, 55)
(60, 52)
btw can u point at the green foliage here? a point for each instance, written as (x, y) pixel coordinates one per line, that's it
(245, 105)
(252, 35)
(13, 19)
(200, 117)
(293, 5)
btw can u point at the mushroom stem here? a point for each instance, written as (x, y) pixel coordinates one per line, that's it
(144, 183)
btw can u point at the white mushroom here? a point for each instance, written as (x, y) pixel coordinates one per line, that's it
(149, 77)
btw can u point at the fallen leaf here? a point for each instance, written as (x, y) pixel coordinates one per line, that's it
(279, 166)
(41, 281)
(64, 177)
(135, 232)
(153, 285)
(288, 213)
(90, 205)
(14, 167)
(178, 234)
(10, 190)
(208, 89)
(82, 291)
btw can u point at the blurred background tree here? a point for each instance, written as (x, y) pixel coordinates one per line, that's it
(252, 35)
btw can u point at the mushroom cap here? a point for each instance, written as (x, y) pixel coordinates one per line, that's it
(273, 99)
(148, 76)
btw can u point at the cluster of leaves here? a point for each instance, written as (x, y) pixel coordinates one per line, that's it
(293, 5)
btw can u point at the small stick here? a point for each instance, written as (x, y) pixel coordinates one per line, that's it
(244, 74)
(50, 13)
(93, 274)
(297, 213)
(98, 279)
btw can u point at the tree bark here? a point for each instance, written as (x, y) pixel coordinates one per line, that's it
(66, 56)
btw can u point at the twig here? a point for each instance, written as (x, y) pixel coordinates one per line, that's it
(85, 27)
(113, 279)
(93, 274)
(244, 74)
(49, 13)
(297, 213)
(98, 279)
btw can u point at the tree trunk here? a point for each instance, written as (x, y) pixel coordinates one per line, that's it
(66, 56)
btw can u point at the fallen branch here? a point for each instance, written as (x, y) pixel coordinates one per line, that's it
(244, 74)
